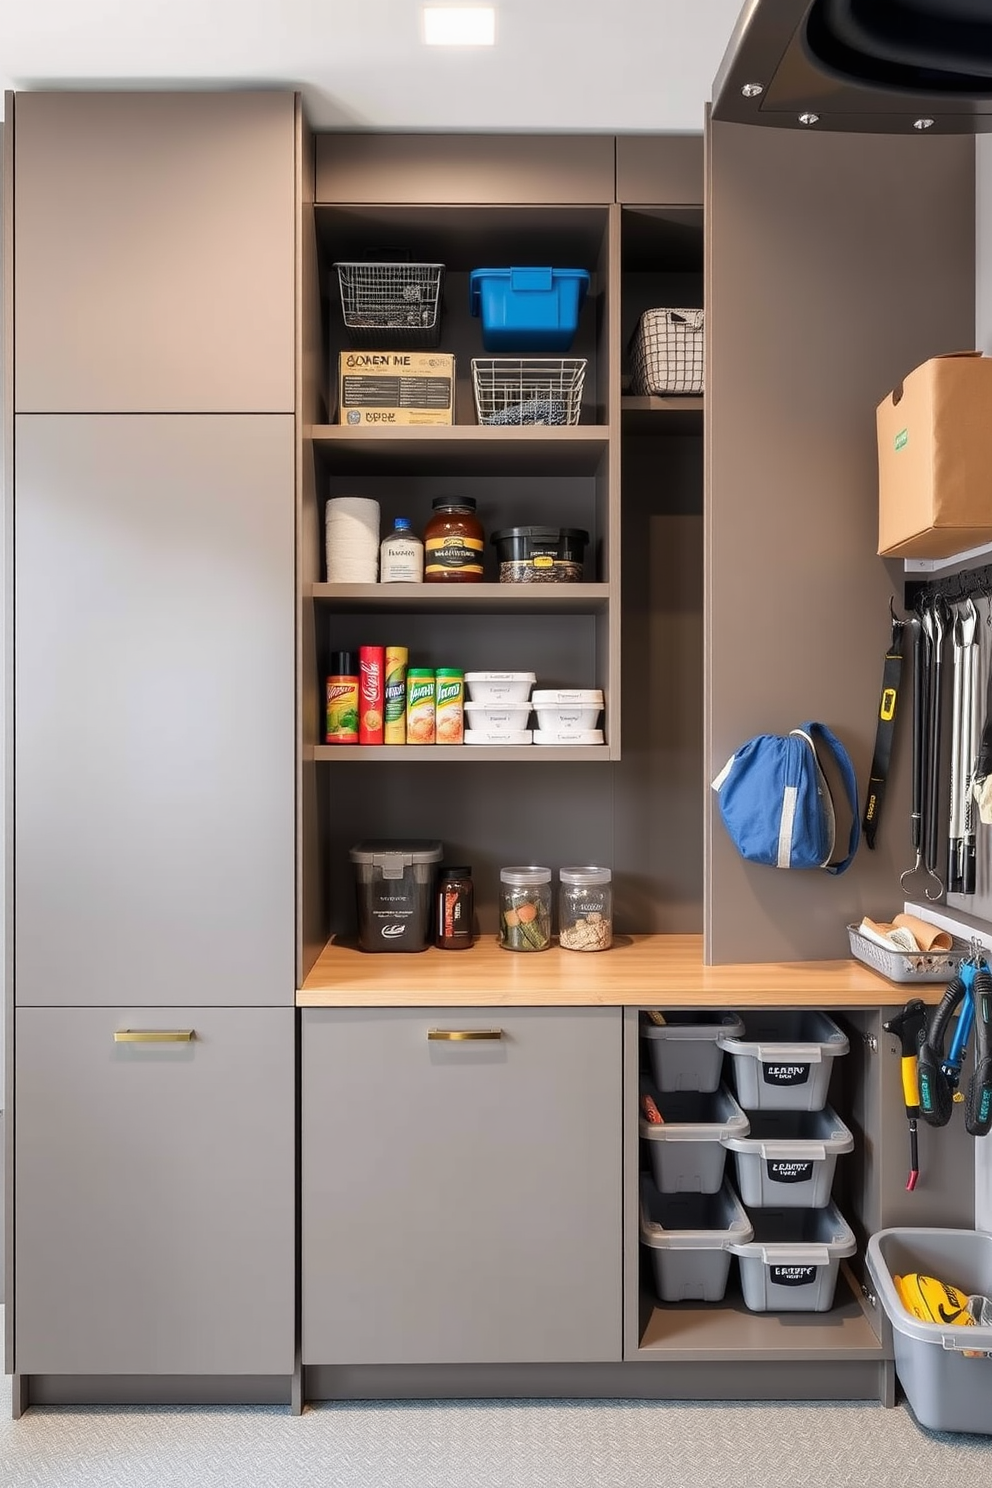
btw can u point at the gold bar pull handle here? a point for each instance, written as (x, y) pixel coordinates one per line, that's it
(460, 1035)
(153, 1035)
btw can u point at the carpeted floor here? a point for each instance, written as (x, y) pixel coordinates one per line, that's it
(504, 1444)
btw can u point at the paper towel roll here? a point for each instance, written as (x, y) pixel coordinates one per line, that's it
(351, 540)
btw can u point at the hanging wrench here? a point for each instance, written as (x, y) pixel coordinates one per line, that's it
(922, 640)
(939, 612)
(971, 730)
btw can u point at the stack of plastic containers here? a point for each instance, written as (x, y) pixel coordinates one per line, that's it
(690, 1214)
(781, 1064)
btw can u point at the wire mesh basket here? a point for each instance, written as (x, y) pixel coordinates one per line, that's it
(391, 305)
(528, 390)
(908, 966)
(666, 353)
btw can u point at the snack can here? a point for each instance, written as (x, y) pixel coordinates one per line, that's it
(449, 697)
(394, 711)
(420, 706)
(371, 660)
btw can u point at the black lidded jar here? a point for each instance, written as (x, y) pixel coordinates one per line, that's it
(454, 542)
(455, 909)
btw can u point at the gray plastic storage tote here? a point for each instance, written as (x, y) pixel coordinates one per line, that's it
(787, 1159)
(684, 1052)
(687, 1152)
(947, 1389)
(784, 1060)
(688, 1236)
(790, 1264)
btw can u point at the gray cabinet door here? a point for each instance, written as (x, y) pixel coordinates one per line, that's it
(154, 1192)
(461, 1200)
(154, 242)
(154, 705)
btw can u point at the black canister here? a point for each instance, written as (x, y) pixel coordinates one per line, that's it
(394, 881)
(455, 917)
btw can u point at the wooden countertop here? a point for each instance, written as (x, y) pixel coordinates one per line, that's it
(639, 971)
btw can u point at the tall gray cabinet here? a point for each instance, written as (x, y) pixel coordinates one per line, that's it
(152, 439)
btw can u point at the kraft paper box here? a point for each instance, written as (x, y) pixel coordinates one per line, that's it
(935, 459)
(395, 389)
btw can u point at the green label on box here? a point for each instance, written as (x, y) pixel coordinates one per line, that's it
(902, 439)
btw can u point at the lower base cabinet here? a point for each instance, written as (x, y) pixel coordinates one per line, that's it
(154, 1192)
(461, 1198)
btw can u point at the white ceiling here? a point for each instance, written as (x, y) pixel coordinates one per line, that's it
(615, 65)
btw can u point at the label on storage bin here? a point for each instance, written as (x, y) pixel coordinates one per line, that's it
(785, 1074)
(782, 1170)
(793, 1275)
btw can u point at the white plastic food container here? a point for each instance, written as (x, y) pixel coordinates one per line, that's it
(498, 718)
(490, 736)
(499, 687)
(568, 736)
(562, 708)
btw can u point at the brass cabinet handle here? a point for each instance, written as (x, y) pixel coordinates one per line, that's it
(153, 1035)
(457, 1035)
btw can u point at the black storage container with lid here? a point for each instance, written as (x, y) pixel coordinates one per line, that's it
(394, 884)
(540, 555)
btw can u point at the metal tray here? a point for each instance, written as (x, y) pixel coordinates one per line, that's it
(908, 966)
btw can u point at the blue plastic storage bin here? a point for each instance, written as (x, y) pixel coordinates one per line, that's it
(528, 309)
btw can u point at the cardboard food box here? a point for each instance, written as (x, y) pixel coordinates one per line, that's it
(935, 459)
(395, 389)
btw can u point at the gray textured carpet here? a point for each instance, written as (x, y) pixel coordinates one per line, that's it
(437, 1444)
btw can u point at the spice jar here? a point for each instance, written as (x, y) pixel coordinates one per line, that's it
(525, 909)
(453, 542)
(585, 909)
(455, 910)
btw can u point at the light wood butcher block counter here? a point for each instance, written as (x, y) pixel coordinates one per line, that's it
(639, 971)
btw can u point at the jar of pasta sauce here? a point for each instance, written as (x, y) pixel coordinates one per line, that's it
(454, 542)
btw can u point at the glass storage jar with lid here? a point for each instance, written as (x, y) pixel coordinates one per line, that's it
(525, 908)
(585, 909)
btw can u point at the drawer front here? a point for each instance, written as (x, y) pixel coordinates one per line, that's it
(461, 1197)
(154, 1191)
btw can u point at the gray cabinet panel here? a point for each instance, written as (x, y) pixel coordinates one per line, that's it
(461, 1201)
(154, 1198)
(154, 241)
(664, 169)
(543, 170)
(154, 707)
(836, 264)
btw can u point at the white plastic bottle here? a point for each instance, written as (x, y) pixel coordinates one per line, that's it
(401, 555)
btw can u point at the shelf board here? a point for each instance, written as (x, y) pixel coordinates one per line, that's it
(639, 971)
(655, 415)
(460, 754)
(465, 599)
(463, 449)
(727, 1330)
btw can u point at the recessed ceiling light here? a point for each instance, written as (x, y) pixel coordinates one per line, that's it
(809, 118)
(924, 124)
(459, 25)
(751, 90)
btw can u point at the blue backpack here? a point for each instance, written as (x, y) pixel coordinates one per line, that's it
(776, 803)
